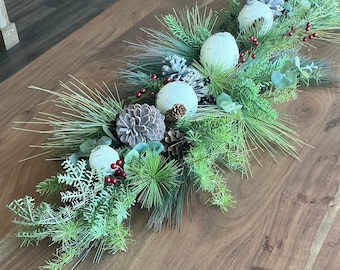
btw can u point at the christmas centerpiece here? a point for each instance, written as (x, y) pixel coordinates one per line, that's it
(203, 90)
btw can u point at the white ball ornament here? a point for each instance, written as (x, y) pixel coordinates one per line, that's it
(253, 11)
(221, 50)
(102, 157)
(177, 92)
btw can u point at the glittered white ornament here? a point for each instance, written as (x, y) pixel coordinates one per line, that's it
(253, 11)
(102, 157)
(177, 93)
(220, 50)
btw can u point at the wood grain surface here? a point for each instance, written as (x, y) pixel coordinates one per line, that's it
(286, 216)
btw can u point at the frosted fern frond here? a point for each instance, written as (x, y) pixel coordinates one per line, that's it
(28, 214)
(84, 183)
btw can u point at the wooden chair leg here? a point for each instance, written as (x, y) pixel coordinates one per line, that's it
(8, 31)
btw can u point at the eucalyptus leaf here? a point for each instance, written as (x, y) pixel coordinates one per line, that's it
(278, 79)
(87, 146)
(156, 146)
(222, 98)
(130, 156)
(289, 64)
(73, 159)
(141, 147)
(225, 103)
(105, 140)
(291, 76)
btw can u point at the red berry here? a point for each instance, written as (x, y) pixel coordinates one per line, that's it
(152, 93)
(292, 28)
(108, 179)
(167, 80)
(304, 39)
(142, 90)
(253, 55)
(290, 34)
(251, 38)
(241, 54)
(256, 43)
(242, 60)
(307, 28)
(153, 76)
(118, 172)
(119, 162)
(310, 37)
(114, 181)
(308, 24)
(315, 34)
(123, 174)
(138, 94)
(113, 166)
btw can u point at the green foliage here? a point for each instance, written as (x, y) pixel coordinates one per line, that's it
(217, 74)
(227, 18)
(183, 36)
(88, 114)
(151, 177)
(50, 186)
(171, 210)
(88, 145)
(191, 27)
(91, 217)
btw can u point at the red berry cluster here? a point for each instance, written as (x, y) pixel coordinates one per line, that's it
(311, 36)
(255, 43)
(140, 92)
(118, 172)
(242, 57)
(307, 29)
(254, 40)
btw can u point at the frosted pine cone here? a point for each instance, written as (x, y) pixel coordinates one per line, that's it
(140, 123)
(176, 69)
(177, 111)
(276, 6)
(174, 143)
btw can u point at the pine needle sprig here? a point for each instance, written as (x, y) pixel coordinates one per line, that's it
(87, 113)
(151, 177)
(49, 186)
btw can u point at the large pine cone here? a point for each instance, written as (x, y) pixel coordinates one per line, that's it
(175, 143)
(140, 123)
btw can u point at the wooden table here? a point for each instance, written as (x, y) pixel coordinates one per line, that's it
(286, 216)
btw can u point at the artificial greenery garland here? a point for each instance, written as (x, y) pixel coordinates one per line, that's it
(198, 107)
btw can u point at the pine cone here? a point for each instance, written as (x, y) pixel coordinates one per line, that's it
(176, 70)
(177, 111)
(174, 143)
(140, 123)
(276, 6)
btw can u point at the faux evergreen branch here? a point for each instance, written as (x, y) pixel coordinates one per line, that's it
(87, 113)
(192, 27)
(151, 177)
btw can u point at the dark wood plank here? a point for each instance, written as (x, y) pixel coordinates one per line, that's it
(41, 25)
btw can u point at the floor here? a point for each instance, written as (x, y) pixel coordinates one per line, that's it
(43, 23)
